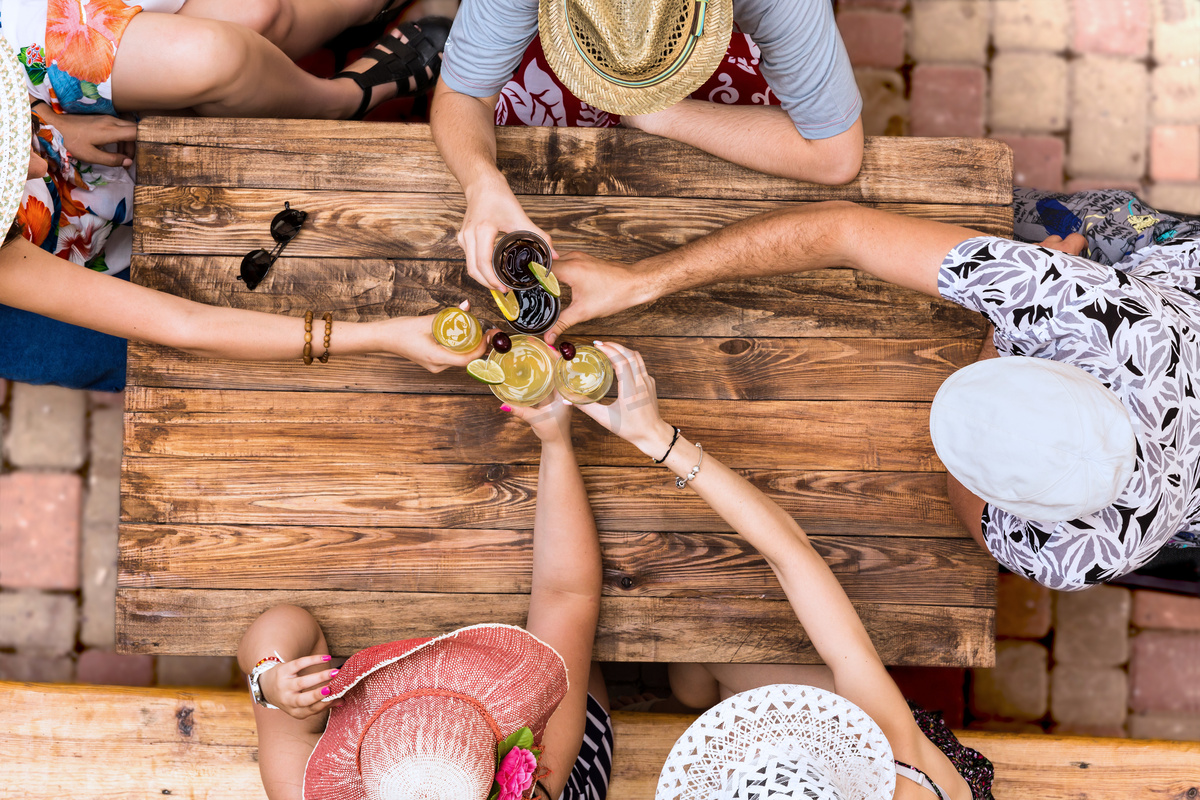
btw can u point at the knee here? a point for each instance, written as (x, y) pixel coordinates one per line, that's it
(270, 18)
(224, 50)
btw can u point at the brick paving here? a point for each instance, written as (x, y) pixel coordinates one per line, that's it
(1088, 93)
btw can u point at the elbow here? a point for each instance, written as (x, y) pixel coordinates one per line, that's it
(841, 168)
(838, 159)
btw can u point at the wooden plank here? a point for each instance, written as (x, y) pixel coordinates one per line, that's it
(824, 303)
(138, 743)
(951, 572)
(210, 622)
(693, 367)
(373, 156)
(299, 492)
(1028, 767)
(329, 428)
(341, 224)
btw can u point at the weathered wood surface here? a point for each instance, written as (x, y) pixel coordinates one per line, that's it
(210, 622)
(248, 484)
(828, 303)
(138, 744)
(636, 564)
(176, 491)
(385, 427)
(1028, 767)
(174, 219)
(317, 154)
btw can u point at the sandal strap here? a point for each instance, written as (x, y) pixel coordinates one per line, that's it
(407, 60)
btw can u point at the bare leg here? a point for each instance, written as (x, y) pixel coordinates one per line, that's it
(227, 70)
(296, 27)
(284, 743)
(704, 685)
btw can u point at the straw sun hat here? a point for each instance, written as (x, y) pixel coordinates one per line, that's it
(17, 132)
(634, 56)
(783, 742)
(422, 718)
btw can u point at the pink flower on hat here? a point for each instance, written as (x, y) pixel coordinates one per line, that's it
(515, 775)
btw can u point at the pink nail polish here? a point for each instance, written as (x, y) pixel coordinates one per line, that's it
(326, 658)
(334, 672)
(506, 408)
(325, 691)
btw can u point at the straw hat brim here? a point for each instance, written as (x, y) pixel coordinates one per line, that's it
(810, 724)
(17, 131)
(521, 681)
(592, 88)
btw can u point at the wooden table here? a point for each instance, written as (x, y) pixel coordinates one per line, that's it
(393, 503)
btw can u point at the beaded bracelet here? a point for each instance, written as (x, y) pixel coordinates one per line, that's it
(674, 439)
(265, 660)
(308, 315)
(691, 476)
(324, 357)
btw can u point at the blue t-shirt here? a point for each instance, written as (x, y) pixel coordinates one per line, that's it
(803, 58)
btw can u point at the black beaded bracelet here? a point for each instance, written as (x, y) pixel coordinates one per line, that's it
(674, 439)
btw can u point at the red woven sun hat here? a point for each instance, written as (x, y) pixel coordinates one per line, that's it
(421, 718)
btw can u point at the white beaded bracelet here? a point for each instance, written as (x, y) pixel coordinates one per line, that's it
(682, 482)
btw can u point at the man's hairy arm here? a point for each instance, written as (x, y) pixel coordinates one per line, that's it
(762, 138)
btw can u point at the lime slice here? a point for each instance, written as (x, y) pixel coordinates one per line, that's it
(546, 279)
(485, 371)
(507, 303)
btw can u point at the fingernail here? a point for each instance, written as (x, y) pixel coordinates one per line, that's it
(597, 343)
(326, 658)
(334, 672)
(566, 402)
(325, 691)
(506, 408)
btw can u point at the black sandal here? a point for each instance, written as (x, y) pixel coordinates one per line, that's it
(360, 36)
(426, 38)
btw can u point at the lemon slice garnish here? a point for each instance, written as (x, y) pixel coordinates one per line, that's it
(507, 303)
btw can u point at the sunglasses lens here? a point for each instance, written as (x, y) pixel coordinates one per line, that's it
(254, 267)
(287, 224)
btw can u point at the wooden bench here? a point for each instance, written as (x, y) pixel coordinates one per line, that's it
(105, 743)
(393, 503)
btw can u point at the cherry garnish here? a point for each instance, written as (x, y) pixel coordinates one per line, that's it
(567, 349)
(500, 342)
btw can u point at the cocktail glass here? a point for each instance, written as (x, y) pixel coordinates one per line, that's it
(528, 371)
(585, 378)
(456, 330)
(538, 310)
(512, 255)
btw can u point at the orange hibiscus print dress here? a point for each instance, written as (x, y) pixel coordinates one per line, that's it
(68, 47)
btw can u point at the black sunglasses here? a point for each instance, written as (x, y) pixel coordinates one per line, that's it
(284, 228)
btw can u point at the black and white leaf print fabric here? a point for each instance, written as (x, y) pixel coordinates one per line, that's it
(1135, 327)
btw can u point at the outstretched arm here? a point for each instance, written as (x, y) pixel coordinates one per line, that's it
(34, 280)
(762, 138)
(819, 601)
(564, 603)
(902, 250)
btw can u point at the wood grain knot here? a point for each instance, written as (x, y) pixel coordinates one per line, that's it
(495, 472)
(734, 347)
(183, 721)
(626, 582)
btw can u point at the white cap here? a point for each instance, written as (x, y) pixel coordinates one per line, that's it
(1040, 439)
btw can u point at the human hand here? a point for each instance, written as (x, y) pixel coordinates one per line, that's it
(634, 416)
(299, 696)
(412, 338)
(550, 419)
(86, 134)
(1074, 244)
(599, 288)
(491, 209)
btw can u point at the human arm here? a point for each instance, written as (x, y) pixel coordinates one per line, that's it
(903, 250)
(820, 603)
(34, 280)
(564, 602)
(762, 138)
(287, 736)
(85, 135)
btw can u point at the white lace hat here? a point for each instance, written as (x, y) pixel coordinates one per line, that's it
(17, 132)
(781, 742)
(1038, 438)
